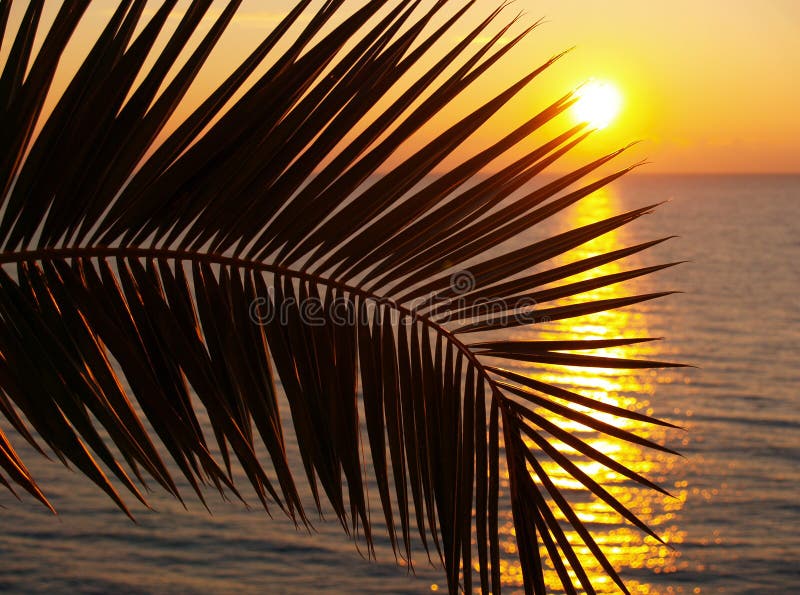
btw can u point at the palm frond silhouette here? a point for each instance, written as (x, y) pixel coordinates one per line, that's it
(256, 251)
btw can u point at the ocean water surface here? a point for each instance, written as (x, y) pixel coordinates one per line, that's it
(733, 525)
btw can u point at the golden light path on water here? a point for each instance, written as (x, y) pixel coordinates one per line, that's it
(626, 547)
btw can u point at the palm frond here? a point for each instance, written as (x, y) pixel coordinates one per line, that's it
(253, 264)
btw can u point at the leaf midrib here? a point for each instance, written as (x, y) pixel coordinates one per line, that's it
(15, 257)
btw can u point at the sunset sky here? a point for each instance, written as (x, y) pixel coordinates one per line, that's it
(707, 86)
(711, 86)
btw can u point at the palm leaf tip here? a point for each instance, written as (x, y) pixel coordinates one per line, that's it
(150, 331)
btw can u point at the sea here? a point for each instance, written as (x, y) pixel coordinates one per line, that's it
(731, 525)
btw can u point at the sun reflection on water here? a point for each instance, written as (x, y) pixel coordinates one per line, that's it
(627, 548)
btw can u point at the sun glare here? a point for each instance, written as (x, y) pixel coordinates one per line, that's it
(598, 103)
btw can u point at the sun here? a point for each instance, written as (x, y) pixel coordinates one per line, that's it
(598, 103)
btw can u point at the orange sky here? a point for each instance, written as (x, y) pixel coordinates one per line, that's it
(709, 86)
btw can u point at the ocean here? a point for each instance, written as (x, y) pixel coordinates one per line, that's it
(733, 525)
